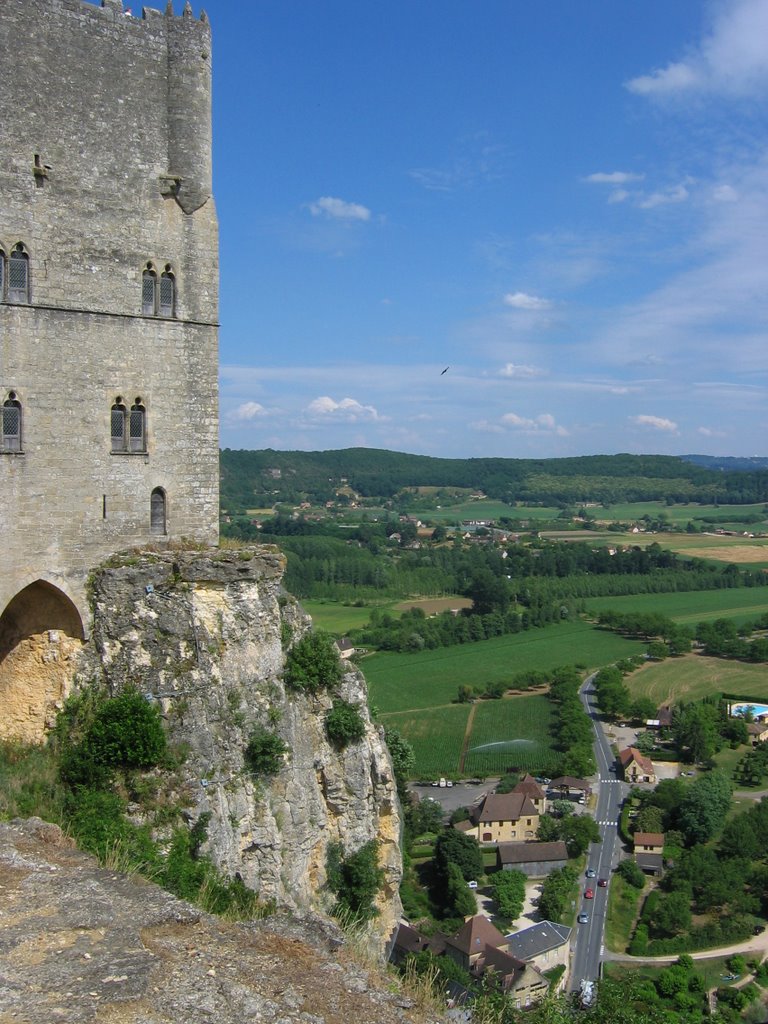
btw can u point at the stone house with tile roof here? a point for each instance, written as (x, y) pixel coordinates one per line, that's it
(504, 818)
(636, 766)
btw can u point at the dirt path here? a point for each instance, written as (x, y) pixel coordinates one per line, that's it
(758, 944)
(467, 736)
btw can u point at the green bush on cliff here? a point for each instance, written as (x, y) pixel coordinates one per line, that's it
(343, 724)
(265, 753)
(122, 732)
(313, 663)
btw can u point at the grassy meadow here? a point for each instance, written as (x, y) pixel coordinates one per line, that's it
(689, 607)
(693, 677)
(427, 679)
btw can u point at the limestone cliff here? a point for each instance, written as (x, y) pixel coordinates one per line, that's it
(205, 634)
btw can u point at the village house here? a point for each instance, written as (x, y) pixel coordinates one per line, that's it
(503, 818)
(544, 945)
(758, 732)
(535, 860)
(636, 766)
(649, 850)
(480, 948)
(529, 787)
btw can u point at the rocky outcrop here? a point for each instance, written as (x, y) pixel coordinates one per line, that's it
(204, 634)
(81, 944)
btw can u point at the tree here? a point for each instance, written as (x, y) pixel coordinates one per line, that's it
(548, 830)
(356, 879)
(344, 724)
(649, 819)
(672, 914)
(403, 760)
(265, 753)
(578, 832)
(313, 663)
(509, 892)
(459, 898)
(454, 847)
(631, 873)
(426, 816)
(705, 807)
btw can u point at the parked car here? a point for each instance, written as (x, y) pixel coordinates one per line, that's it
(472, 884)
(589, 894)
(758, 929)
(583, 918)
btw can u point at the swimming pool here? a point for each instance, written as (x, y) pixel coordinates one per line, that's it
(758, 710)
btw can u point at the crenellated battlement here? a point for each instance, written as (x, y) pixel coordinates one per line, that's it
(124, 9)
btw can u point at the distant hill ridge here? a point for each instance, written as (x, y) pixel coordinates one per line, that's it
(261, 478)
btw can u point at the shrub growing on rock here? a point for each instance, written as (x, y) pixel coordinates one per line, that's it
(125, 732)
(265, 752)
(313, 663)
(343, 724)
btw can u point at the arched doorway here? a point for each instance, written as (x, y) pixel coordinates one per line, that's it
(41, 633)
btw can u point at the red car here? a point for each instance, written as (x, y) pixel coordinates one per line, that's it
(602, 882)
(589, 894)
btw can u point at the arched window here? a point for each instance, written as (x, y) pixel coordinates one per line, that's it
(11, 437)
(158, 295)
(118, 421)
(137, 430)
(167, 292)
(157, 511)
(148, 290)
(18, 275)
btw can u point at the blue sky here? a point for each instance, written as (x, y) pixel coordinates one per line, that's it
(566, 203)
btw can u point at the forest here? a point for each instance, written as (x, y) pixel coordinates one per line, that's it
(253, 479)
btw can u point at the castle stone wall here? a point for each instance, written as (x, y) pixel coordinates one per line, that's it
(106, 142)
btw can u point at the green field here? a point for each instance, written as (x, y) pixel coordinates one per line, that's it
(436, 735)
(427, 679)
(511, 734)
(741, 604)
(484, 509)
(693, 677)
(339, 618)
(678, 514)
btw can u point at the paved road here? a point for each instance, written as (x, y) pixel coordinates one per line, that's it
(588, 947)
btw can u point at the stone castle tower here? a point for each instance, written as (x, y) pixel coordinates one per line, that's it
(108, 313)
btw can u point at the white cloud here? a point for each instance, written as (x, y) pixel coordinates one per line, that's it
(338, 209)
(731, 60)
(348, 409)
(618, 195)
(676, 194)
(708, 432)
(543, 423)
(521, 300)
(248, 411)
(725, 194)
(655, 422)
(613, 177)
(520, 372)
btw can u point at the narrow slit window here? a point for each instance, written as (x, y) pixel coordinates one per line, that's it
(157, 511)
(167, 293)
(148, 291)
(137, 431)
(118, 427)
(11, 437)
(2, 275)
(18, 275)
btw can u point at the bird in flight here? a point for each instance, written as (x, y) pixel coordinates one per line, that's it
(444, 371)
